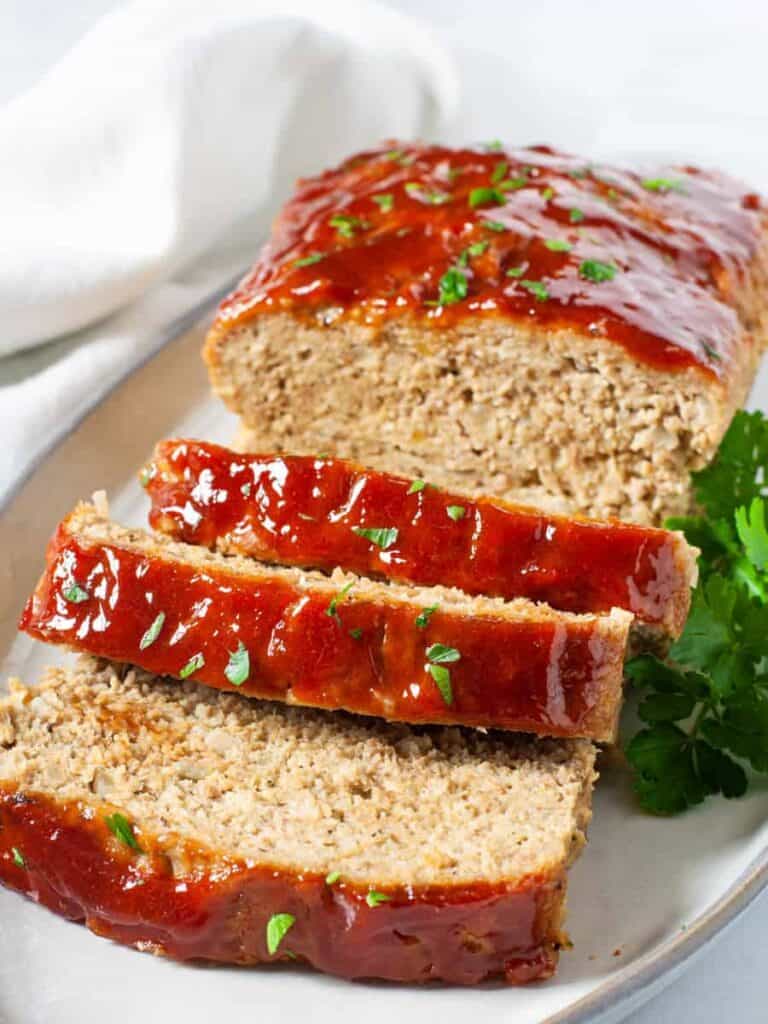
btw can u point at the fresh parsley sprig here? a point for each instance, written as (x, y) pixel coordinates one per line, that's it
(706, 706)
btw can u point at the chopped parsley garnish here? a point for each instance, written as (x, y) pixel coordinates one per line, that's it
(373, 898)
(75, 594)
(346, 225)
(416, 486)
(537, 289)
(494, 225)
(18, 857)
(245, 489)
(493, 146)
(239, 665)
(594, 270)
(438, 656)
(122, 829)
(422, 619)
(576, 216)
(517, 271)
(332, 610)
(356, 633)
(456, 512)
(435, 197)
(513, 184)
(400, 156)
(194, 664)
(278, 927)
(453, 287)
(547, 193)
(385, 201)
(499, 172)
(332, 877)
(663, 185)
(705, 709)
(153, 632)
(710, 352)
(557, 245)
(382, 536)
(476, 249)
(307, 261)
(486, 197)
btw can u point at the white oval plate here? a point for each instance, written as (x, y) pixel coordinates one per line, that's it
(646, 895)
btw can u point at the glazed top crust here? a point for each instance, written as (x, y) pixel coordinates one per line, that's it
(654, 264)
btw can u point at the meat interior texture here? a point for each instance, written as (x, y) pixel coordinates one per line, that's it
(314, 513)
(510, 321)
(399, 853)
(411, 654)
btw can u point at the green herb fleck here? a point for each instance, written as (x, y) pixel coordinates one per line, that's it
(382, 536)
(594, 270)
(557, 245)
(493, 225)
(456, 512)
(332, 610)
(453, 287)
(278, 927)
(547, 193)
(576, 216)
(486, 197)
(537, 289)
(439, 654)
(434, 196)
(476, 249)
(493, 146)
(713, 355)
(416, 486)
(307, 261)
(663, 185)
(332, 877)
(422, 619)
(356, 633)
(373, 898)
(346, 225)
(194, 664)
(385, 201)
(499, 172)
(517, 271)
(245, 489)
(153, 632)
(442, 678)
(18, 857)
(75, 594)
(239, 665)
(513, 184)
(122, 829)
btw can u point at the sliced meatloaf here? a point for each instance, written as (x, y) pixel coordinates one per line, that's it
(418, 654)
(513, 321)
(313, 513)
(203, 826)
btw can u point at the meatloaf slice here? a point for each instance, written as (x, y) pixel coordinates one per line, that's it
(512, 321)
(414, 654)
(204, 826)
(308, 511)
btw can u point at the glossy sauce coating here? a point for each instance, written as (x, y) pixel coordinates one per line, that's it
(362, 654)
(373, 239)
(301, 510)
(65, 857)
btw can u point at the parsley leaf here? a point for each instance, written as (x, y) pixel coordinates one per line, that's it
(433, 197)
(594, 270)
(706, 708)
(383, 536)
(493, 225)
(663, 185)
(331, 610)
(75, 594)
(194, 664)
(278, 927)
(122, 829)
(416, 486)
(18, 857)
(385, 201)
(332, 877)
(575, 216)
(438, 656)
(499, 172)
(239, 665)
(537, 288)
(486, 197)
(456, 512)
(373, 898)
(346, 225)
(453, 287)
(422, 619)
(307, 261)
(153, 632)
(557, 245)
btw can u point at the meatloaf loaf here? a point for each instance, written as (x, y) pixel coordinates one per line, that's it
(514, 321)
(203, 826)
(414, 654)
(318, 513)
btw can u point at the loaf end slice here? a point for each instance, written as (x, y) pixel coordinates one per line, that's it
(203, 826)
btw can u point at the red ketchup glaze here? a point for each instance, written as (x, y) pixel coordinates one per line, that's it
(301, 510)
(73, 865)
(678, 245)
(562, 680)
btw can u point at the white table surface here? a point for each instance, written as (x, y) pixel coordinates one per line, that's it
(602, 77)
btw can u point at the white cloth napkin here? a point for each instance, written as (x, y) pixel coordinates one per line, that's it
(171, 128)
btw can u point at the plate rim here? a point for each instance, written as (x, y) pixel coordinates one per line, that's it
(631, 986)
